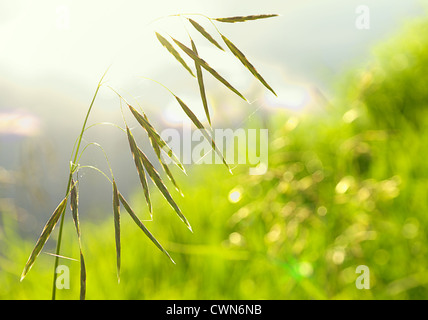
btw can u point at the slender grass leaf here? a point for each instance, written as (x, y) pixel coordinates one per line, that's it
(116, 211)
(201, 29)
(139, 166)
(168, 172)
(151, 131)
(200, 126)
(157, 150)
(201, 84)
(207, 67)
(245, 18)
(74, 202)
(142, 226)
(60, 256)
(82, 277)
(246, 63)
(174, 52)
(44, 236)
(154, 175)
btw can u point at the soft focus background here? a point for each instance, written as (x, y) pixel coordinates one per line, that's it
(347, 178)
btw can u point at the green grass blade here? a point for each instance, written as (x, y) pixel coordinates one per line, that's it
(142, 226)
(154, 175)
(200, 126)
(82, 277)
(157, 150)
(246, 63)
(74, 202)
(201, 29)
(116, 211)
(44, 236)
(169, 174)
(201, 84)
(174, 52)
(151, 131)
(139, 166)
(245, 18)
(207, 67)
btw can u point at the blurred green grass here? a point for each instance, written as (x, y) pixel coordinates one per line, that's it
(345, 186)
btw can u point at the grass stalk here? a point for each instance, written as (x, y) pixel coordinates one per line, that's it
(72, 168)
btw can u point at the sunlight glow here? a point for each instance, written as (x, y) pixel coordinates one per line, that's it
(235, 196)
(21, 124)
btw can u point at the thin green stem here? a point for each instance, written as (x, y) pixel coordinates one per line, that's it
(106, 124)
(100, 171)
(118, 94)
(102, 149)
(72, 168)
(180, 15)
(91, 126)
(84, 124)
(146, 78)
(121, 111)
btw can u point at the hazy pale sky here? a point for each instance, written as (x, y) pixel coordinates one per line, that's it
(77, 40)
(53, 52)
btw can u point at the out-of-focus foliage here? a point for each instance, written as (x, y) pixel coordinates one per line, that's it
(394, 86)
(344, 187)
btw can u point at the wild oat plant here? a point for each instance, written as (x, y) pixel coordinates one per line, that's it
(143, 165)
